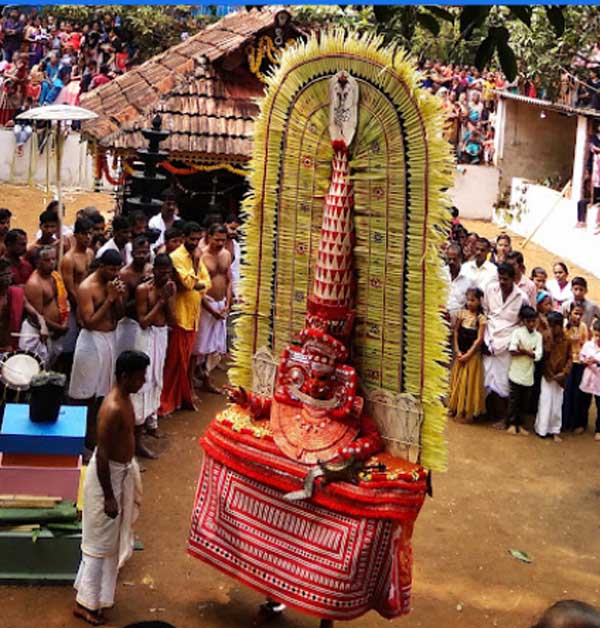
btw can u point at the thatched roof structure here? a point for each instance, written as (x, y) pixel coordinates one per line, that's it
(203, 88)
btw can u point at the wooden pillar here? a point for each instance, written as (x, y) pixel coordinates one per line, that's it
(579, 158)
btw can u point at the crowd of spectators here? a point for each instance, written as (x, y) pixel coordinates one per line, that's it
(469, 101)
(48, 61)
(526, 345)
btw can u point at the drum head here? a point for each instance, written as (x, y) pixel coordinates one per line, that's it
(18, 369)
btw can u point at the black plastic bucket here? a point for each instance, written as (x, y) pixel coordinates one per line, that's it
(46, 397)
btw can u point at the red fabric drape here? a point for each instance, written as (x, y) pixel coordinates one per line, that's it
(177, 390)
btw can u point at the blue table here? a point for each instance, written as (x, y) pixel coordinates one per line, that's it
(20, 435)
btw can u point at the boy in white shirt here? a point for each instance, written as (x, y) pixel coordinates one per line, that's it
(526, 347)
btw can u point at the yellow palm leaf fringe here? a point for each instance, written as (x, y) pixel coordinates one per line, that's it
(400, 166)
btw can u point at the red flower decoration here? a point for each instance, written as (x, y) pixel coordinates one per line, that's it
(379, 192)
(307, 161)
(375, 282)
(300, 248)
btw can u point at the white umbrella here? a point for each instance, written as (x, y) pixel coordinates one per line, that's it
(58, 113)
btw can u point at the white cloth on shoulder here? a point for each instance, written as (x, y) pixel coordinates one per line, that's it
(153, 341)
(127, 332)
(106, 543)
(93, 364)
(549, 415)
(212, 333)
(31, 341)
(495, 373)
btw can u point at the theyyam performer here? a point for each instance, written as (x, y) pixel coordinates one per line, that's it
(314, 475)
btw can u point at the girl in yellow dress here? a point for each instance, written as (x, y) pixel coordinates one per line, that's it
(467, 393)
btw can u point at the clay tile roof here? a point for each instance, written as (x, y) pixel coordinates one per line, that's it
(210, 112)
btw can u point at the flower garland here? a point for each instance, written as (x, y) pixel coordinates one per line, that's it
(194, 169)
(265, 47)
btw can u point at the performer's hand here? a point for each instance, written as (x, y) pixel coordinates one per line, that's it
(111, 508)
(236, 395)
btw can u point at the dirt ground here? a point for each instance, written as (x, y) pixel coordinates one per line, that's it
(500, 493)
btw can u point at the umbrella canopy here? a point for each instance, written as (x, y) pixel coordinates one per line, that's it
(57, 112)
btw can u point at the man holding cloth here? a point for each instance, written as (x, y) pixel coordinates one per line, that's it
(192, 281)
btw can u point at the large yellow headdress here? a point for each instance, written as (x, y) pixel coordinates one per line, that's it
(399, 166)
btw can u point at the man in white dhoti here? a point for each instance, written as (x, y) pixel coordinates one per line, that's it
(111, 494)
(211, 339)
(155, 304)
(100, 305)
(502, 302)
(132, 276)
(74, 268)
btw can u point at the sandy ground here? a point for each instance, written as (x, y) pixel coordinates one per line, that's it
(500, 493)
(26, 204)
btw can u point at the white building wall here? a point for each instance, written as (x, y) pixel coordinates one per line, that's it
(556, 231)
(33, 168)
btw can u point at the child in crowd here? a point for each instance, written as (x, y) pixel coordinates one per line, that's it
(525, 350)
(573, 418)
(579, 289)
(539, 277)
(589, 356)
(467, 396)
(557, 365)
(560, 287)
(544, 307)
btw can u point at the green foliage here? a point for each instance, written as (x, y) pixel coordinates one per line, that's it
(533, 41)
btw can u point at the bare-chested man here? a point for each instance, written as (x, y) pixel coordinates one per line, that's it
(48, 236)
(100, 307)
(112, 491)
(47, 294)
(132, 276)
(74, 268)
(155, 303)
(13, 305)
(211, 340)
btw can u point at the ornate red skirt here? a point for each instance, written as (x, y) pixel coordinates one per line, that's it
(342, 553)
